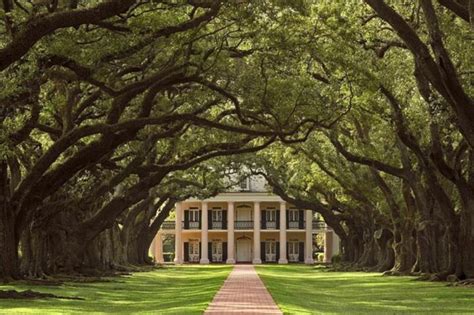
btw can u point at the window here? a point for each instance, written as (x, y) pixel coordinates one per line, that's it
(270, 215)
(245, 184)
(270, 251)
(216, 215)
(217, 248)
(293, 215)
(194, 215)
(270, 247)
(194, 248)
(293, 248)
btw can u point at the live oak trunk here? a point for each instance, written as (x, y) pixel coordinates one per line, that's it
(404, 249)
(9, 269)
(466, 237)
(386, 259)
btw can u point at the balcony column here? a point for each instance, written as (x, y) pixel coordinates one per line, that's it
(153, 248)
(328, 246)
(282, 259)
(204, 235)
(309, 238)
(158, 244)
(256, 233)
(178, 257)
(230, 233)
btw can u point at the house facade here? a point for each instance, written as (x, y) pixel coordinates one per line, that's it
(245, 225)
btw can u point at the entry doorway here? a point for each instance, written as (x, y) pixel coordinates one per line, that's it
(244, 249)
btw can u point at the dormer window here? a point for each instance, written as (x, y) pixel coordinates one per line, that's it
(245, 184)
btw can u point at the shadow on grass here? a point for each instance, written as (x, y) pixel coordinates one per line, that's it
(300, 289)
(170, 290)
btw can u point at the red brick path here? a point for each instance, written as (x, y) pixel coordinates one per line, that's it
(243, 293)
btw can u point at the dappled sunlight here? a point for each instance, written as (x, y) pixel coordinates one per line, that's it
(171, 290)
(303, 290)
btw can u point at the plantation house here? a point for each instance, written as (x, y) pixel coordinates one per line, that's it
(247, 224)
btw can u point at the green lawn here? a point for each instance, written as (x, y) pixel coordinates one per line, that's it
(171, 290)
(299, 289)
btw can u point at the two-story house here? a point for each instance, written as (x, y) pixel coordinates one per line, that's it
(248, 224)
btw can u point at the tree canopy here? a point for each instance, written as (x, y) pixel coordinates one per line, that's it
(112, 111)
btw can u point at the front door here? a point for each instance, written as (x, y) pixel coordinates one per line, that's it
(244, 250)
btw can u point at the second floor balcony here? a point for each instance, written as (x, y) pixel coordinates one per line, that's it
(217, 225)
(243, 225)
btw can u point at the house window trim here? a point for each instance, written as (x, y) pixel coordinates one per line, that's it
(244, 185)
(194, 215)
(270, 215)
(269, 245)
(293, 215)
(216, 214)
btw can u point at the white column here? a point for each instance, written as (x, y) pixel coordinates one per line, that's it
(230, 233)
(204, 236)
(309, 238)
(178, 257)
(328, 246)
(336, 248)
(158, 243)
(283, 259)
(153, 249)
(256, 233)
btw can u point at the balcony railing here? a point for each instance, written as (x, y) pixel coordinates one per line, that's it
(216, 225)
(243, 225)
(293, 224)
(194, 225)
(168, 225)
(270, 225)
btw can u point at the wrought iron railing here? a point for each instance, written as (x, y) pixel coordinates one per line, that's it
(270, 258)
(194, 225)
(293, 224)
(216, 225)
(270, 225)
(243, 225)
(168, 225)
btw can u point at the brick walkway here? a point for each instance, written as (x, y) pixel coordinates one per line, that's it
(243, 293)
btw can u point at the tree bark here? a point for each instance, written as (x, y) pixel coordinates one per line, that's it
(9, 263)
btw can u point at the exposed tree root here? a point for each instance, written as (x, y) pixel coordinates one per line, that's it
(31, 295)
(466, 283)
(396, 273)
(45, 282)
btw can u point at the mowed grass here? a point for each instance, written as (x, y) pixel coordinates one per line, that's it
(300, 289)
(169, 290)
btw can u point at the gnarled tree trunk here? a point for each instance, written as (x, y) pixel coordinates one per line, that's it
(8, 245)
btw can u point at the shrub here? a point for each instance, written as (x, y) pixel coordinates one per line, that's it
(319, 256)
(168, 257)
(336, 259)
